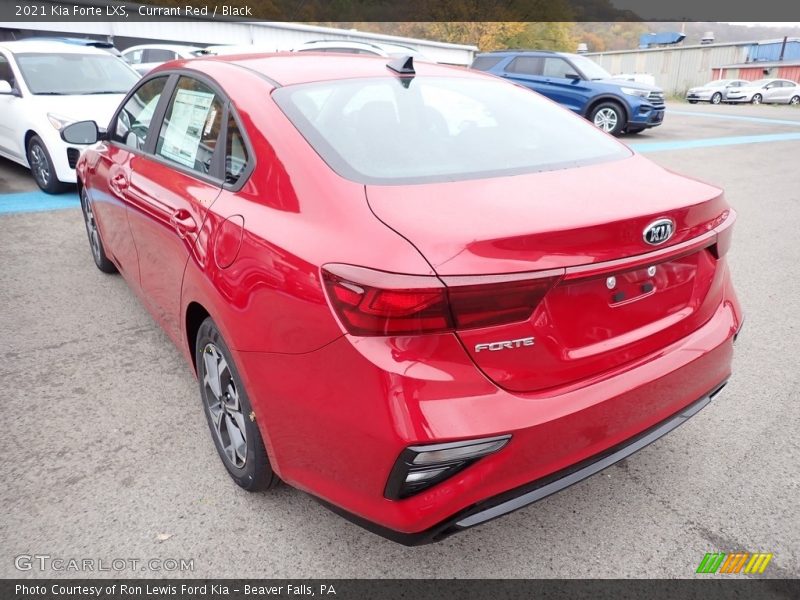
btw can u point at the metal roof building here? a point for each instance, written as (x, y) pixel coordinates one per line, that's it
(677, 68)
(206, 32)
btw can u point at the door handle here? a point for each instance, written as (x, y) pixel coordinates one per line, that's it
(120, 181)
(183, 222)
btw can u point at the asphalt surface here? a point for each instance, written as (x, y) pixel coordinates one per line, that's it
(106, 453)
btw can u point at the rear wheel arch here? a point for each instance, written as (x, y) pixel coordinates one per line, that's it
(196, 313)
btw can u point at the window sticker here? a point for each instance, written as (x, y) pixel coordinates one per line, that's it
(185, 128)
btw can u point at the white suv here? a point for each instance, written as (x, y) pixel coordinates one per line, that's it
(45, 86)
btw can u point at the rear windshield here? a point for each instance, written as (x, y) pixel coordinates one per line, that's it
(392, 130)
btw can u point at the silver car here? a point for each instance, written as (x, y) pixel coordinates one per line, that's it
(768, 91)
(714, 91)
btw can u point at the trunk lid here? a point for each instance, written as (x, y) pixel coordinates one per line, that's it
(586, 226)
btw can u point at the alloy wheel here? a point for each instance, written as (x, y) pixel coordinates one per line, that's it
(222, 400)
(716, 98)
(91, 226)
(795, 100)
(606, 119)
(40, 166)
(757, 99)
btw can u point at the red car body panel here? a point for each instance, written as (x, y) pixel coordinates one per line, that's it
(336, 410)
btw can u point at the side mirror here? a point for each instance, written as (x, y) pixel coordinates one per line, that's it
(82, 132)
(6, 89)
(573, 76)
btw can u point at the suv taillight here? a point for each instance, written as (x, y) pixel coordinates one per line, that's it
(375, 303)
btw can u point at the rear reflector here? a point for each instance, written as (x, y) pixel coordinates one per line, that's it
(376, 303)
(420, 467)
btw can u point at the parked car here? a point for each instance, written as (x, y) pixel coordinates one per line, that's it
(360, 328)
(146, 57)
(107, 46)
(44, 86)
(767, 91)
(231, 49)
(368, 48)
(714, 91)
(583, 86)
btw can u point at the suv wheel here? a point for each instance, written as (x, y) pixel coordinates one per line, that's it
(608, 116)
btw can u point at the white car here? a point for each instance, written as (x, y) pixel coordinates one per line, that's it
(228, 49)
(715, 91)
(45, 86)
(368, 48)
(147, 57)
(768, 91)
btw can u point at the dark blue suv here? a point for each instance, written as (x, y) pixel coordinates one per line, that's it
(580, 84)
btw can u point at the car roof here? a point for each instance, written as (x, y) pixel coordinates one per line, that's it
(340, 44)
(50, 46)
(291, 68)
(175, 47)
(224, 49)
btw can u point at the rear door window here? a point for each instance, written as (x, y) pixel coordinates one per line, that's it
(526, 65)
(236, 155)
(158, 55)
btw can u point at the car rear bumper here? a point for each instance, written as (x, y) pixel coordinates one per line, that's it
(527, 494)
(336, 420)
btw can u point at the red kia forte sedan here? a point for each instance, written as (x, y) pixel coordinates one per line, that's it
(422, 294)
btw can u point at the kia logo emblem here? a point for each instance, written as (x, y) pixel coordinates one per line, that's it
(659, 231)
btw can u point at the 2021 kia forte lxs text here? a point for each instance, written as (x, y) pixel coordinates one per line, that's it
(417, 292)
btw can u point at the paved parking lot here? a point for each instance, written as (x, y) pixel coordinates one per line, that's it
(106, 452)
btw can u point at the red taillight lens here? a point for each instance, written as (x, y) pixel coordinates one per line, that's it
(487, 301)
(372, 303)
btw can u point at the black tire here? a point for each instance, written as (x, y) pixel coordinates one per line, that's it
(607, 109)
(692, 101)
(244, 456)
(716, 98)
(42, 168)
(635, 130)
(756, 99)
(93, 233)
(795, 101)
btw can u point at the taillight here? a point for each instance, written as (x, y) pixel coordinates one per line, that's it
(724, 227)
(373, 303)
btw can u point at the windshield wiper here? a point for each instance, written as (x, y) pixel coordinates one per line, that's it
(103, 92)
(51, 94)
